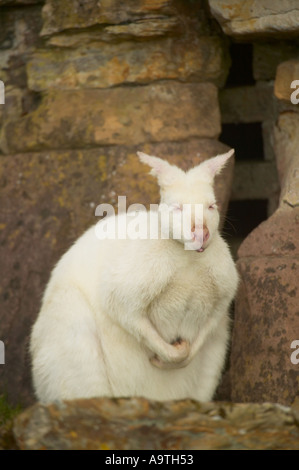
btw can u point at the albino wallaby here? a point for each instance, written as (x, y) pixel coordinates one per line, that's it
(143, 317)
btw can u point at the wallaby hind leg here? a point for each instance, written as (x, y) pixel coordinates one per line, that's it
(67, 355)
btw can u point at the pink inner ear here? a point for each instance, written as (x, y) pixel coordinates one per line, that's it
(216, 164)
(158, 167)
(156, 163)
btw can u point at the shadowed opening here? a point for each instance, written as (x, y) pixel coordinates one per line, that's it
(241, 70)
(245, 138)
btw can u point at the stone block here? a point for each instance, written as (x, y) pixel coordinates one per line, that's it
(246, 103)
(103, 65)
(68, 14)
(254, 180)
(13, 107)
(19, 35)
(268, 55)
(252, 19)
(120, 116)
(286, 73)
(286, 142)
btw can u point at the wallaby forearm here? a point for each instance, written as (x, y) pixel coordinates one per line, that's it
(145, 333)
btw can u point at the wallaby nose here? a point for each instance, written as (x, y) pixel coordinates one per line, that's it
(206, 233)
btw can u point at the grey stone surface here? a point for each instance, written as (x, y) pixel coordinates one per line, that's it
(254, 180)
(246, 103)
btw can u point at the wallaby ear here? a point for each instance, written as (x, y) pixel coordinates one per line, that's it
(211, 167)
(166, 174)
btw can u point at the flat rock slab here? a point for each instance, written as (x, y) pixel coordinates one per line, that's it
(67, 14)
(136, 423)
(257, 18)
(103, 65)
(167, 111)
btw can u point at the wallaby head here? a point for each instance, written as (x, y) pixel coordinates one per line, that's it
(192, 188)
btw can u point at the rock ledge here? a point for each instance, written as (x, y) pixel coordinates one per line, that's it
(136, 423)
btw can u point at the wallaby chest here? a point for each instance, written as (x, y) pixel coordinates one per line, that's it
(184, 304)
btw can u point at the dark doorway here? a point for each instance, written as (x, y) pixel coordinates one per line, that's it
(245, 138)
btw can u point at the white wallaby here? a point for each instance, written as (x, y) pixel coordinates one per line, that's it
(141, 317)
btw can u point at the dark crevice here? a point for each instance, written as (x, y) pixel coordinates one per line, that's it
(241, 70)
(244, 216)
(245, 138)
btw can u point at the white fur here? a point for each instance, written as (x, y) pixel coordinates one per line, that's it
(112, 308)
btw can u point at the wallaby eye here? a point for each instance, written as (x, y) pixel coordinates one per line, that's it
(213, 206)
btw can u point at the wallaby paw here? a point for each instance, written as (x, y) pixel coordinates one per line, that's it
(157, 362)
(160, 364)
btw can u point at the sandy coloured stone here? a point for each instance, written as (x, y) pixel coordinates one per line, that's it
(104, 65)
(286, 73)
(246, 103)
(286, 143)
(257, 18)
(67, 14)
(120, 116)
